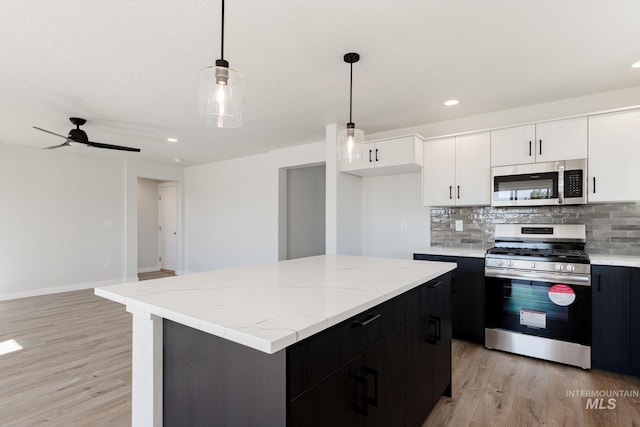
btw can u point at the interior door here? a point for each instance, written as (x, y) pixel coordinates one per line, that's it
(168, 226)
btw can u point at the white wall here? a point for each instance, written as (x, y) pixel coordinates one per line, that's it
(394, 222)
(148, 236)
(62, 216)
(231, 215)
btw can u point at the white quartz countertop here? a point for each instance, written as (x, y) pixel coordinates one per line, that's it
(615, 260)
(271, 306)
(449, 251)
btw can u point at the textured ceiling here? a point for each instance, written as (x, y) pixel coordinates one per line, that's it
(131, 67)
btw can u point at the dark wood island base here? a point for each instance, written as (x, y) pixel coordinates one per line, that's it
(387, 366)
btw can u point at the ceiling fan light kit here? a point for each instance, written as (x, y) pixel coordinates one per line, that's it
(221, 98)
(350, 140)
(78, 136)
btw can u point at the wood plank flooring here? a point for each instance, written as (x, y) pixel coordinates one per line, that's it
(75, 365)
(75, 370)
(493, 388)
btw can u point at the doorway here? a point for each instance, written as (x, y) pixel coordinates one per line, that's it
(302, 211)
(157, 226)
(167, 218)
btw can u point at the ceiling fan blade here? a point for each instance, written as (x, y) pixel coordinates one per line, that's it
(48, 131)
(111, 146)
(64, 144)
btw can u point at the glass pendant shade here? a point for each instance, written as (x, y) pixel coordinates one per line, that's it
(221, 96)
(350, 143)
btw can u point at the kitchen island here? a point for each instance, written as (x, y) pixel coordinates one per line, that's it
(327, 340)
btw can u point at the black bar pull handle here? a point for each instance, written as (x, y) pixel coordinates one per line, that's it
(364, 409)
(450, 190)
(432, 331)
(598, 280)
(594, 185)
(369, 156)
(529, 148)
(540, 146)
(458, 191)
(434, 285)
(376, 154)
(367, 319)
(374, 373)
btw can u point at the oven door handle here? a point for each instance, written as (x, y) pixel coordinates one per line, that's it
(569, 279)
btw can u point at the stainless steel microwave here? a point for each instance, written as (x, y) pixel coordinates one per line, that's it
(537, 184)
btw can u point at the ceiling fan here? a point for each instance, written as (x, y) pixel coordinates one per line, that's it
(77, 135)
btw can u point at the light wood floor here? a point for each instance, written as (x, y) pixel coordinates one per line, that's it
(493, 388)
(156, 274)
(75, 370)
(75, 365)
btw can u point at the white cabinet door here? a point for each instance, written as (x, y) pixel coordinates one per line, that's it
(561, 140)
(395, 152)
(388, 156)
(473, 170)
(356, 164)
(438, 172)
(614, 157)
(513, 146)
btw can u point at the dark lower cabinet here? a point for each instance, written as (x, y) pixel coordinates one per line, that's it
(634, 333)
(366, 392)
(615, 338)
(467, 295)
(385, 367)
(428, 351)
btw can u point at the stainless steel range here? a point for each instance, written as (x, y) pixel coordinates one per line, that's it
(538, 292)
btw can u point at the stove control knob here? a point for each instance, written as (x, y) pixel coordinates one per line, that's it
(509, 263)
(499, 263)
(571, 267)
(559, 267)
(533, 265)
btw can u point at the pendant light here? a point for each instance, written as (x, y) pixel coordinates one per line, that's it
(221, 91)
(350, 140)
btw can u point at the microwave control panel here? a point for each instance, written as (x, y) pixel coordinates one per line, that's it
(573, 183)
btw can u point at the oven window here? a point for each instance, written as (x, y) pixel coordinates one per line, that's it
(534, 308)
(526, 187)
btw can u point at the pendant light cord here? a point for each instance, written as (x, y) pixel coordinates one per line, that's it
(222, 36)
(351, 93)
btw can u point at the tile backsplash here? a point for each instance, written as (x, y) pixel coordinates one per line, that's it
(612, 228)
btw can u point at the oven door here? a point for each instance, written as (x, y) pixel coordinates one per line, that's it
(554, 309)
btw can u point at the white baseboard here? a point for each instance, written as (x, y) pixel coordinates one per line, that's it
(59, 289)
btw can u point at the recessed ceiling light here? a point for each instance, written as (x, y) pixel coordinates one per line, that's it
(177, 159)
(636, 64)
(172, 139)
(451, 102)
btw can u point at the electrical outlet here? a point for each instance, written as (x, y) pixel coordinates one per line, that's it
(403, 224)
(459, 226)
(107, 265)
(108, 223)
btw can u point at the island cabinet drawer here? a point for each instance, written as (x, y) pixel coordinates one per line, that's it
(313, 359)
(424, 297)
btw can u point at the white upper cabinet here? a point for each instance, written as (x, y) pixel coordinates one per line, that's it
(513, 146)
(457, 171)
(614, 157)
(388, 156)
(439, 172)
(561, 140)
(542, 142)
